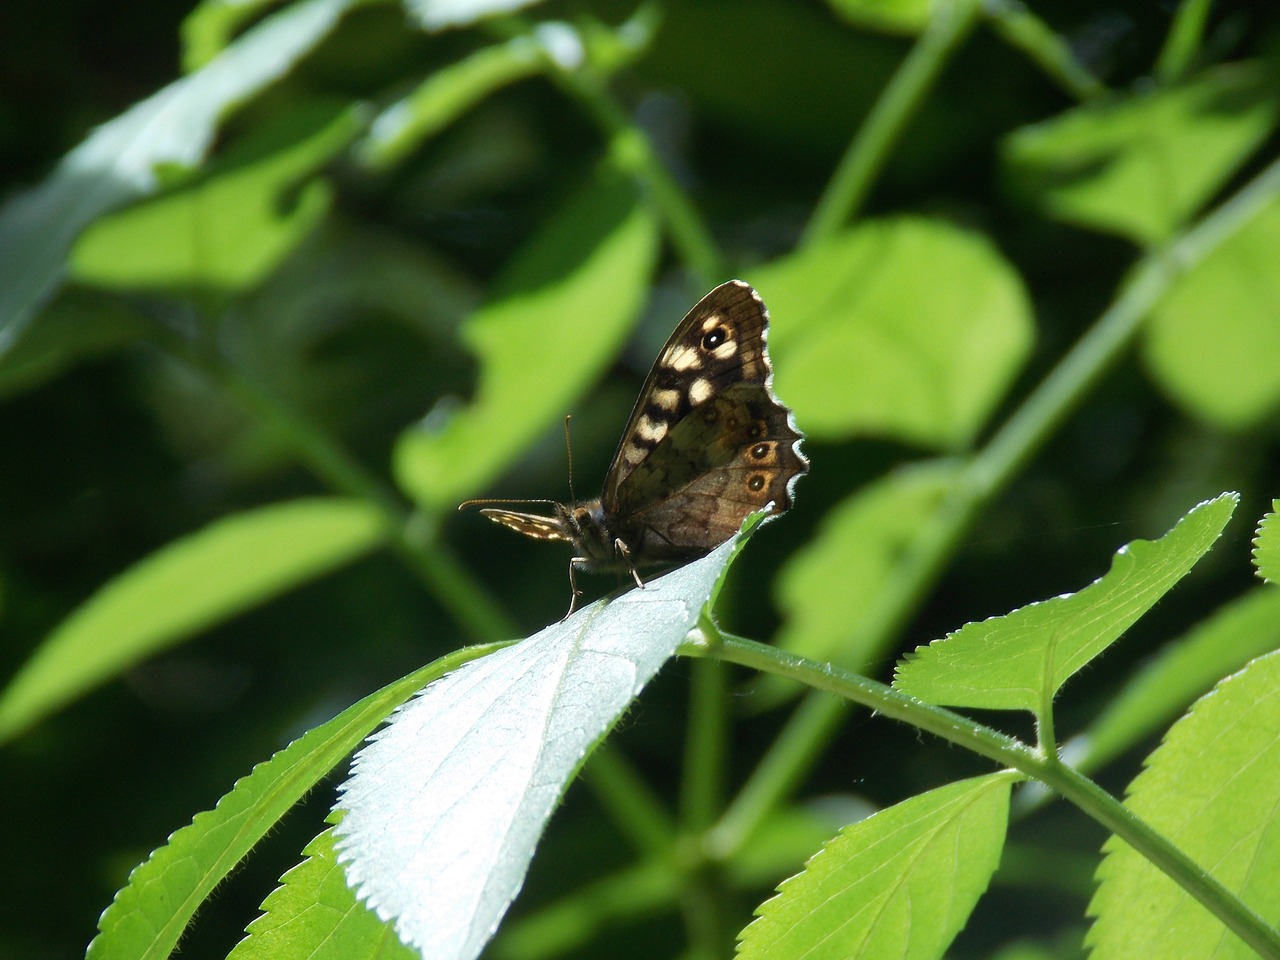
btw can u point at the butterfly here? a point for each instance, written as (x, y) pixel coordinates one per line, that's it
(708, 443)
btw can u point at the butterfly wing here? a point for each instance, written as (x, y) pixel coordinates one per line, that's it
(720, 342)
(735, 454)
(708, 442)
(531, 524)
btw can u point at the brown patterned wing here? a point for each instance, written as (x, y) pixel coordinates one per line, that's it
(719, 343)
(734, 454)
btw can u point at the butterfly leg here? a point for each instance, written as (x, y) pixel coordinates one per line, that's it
(625, 554)
(575, 593)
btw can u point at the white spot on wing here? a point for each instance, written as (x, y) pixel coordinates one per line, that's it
(667, 399)
(651, 429)
(699, 392)
(725, 350)
(682, 359)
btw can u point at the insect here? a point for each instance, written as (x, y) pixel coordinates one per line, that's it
(708, 443)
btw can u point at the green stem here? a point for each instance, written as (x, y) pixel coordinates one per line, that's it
(702, 783)
(870, 148)
(1183, 40)
(633, 151)
(1046, 735)
(704, 894)
(1007, 751)
(818, 718)
(1021, 28)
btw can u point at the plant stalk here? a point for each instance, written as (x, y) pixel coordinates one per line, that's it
(870, 148)
(1009, 752)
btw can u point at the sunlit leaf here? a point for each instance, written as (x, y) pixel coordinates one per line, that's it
(1211, 788)
(892, 16)
(150, 912)
(443, 97)
(446, 803)
(209, 28)
(1266, 545)
(1213, 343)
(121, 160)
(560, 313)
(1141, 165)
(314, 915)
(228, 231)
(899, 884)
(1229, 638)
(451, 91)
(905, 328)
(1020, 660)
(228, 567)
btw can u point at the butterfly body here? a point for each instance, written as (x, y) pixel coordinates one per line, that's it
(707, 444)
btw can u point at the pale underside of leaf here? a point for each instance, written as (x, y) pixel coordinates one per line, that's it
(446, 803)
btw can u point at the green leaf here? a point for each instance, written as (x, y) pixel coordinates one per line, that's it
(561, 313)
(1213, 343)
(149, 913)
(899, 884)
(120, 161)
(1142, 165)
(832, 588)
(230, 230)
(864, 344)
(209, 28)
(1211, 788)
(1266, 546)
(1182, 671)
(1019, 661)
(230, 566)
(444, 96)
(314, 915)
(908, 17)
(444, 807)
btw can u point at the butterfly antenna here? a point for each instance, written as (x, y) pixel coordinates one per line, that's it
(511, 503)
(568, 447)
